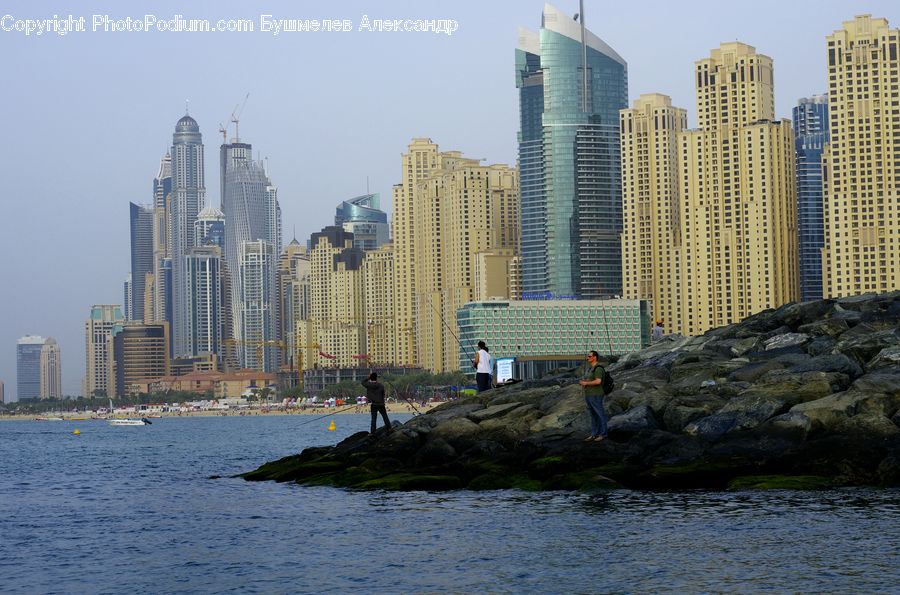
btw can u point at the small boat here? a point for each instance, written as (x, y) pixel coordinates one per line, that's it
(130, 422)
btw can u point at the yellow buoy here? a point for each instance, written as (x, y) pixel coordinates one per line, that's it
(77, 432)
(331, 427)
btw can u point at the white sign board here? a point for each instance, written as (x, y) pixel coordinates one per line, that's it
(504, 369)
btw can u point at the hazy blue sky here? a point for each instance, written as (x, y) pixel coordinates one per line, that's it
(87, 116)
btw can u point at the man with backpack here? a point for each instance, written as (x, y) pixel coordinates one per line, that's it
(594, 383)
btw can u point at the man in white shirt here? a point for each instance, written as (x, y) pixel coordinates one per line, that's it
(484, 367)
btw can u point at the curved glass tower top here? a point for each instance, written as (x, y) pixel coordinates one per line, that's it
(361, 208)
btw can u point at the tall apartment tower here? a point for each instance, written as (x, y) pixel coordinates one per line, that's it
(861, 171)
(417, 163)
(98, 333)
(51, 370)
(651, 237)
(362, 217)
(738, 194)
(28, 367)
(126, 295)
(811, 134)
(188, 198)
(337, 315)
(462, 210)
(293, 296)
(139, 352)
(381, 326)
(571, 88)
(141, 223)
(158, 299)
(252, 247)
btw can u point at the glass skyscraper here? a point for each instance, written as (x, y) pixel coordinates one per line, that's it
(361, 217)
(811, 134)
(571, 191)
(252, 246)
(141, 220)
(28, 367)
(188, 197)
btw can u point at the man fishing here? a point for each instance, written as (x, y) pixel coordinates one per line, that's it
(375, 396)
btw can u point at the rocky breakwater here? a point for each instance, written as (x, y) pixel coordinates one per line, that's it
(807, 395)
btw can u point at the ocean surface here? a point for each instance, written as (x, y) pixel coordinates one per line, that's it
(133, 510)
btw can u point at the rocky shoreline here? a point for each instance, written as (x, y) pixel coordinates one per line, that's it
(805, 396)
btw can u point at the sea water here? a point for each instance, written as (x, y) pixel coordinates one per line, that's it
(134, 510)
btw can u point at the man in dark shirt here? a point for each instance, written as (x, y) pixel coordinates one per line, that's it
(375, 396)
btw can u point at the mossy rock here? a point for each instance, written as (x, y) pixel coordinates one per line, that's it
(585, 480)
(292, 468)
(411, 482)
(545, 466)
(780, 482)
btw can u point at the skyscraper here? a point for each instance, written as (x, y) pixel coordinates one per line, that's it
(361, 217)
(141, 219)
(571, 88)
(252, 247)
(379, 281)
(293, 295)
(51, 370)
(860, 169)
(651, 237)
(127, 292)
(811, 134)
(205, 296)
(139, 352)
(28, 367)
(98, 333)
(160, 308)
(188, 198)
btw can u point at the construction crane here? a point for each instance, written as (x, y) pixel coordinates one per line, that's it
(236, 116)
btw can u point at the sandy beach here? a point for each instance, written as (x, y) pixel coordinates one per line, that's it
(391, 407)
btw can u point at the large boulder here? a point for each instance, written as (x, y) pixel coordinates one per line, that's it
(633, 421)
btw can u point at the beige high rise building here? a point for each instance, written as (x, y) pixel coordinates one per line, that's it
(651, 218)
(98, 332)
(729, 247)
(380, 281)
(418, 162)
(51, 370)
(293, 296)
(460, 210)
(861, 163)
(337, 314)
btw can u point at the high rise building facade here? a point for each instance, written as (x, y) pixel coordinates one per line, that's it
(98, 333)
(293, 295)
(421, 158)
(188, 196)
(140, 352)
(571, 88)
(381, 325)
(51, 370)
(651, 236)
(28, 367)
(361, 217)
(728, 248)
(252, 247)
(141, 220)
(861, 162)
(205, 287)
(337, 315)
(2, 392)
(158, 300)
(461, 210)
(811, 134)
(127, 290)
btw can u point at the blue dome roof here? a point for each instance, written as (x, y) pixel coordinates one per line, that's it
(187, 123)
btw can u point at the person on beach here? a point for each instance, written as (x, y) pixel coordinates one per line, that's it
(375, 397)
(483, 367)
(593, 396)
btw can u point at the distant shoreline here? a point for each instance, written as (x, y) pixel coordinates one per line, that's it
(391, 407)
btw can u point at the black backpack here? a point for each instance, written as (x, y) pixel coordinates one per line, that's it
(607, 383)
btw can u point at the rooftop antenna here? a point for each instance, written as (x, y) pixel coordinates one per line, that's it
(236, 117)
(367, 184)
(187, 106)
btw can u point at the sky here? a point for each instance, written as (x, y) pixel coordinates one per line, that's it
(87, 116)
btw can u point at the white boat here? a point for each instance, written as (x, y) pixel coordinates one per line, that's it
(130, 422)
(143, 421)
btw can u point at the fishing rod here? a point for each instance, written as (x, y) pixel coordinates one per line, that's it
(606, 325)
(463, 347)
(308, 421)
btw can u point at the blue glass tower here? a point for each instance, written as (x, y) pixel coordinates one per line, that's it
(571, 190)
(141, 219)
(811, 134)
(28, 367)
(362, 217)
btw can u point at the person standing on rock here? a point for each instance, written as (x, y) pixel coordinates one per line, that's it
(658, 332)
(483, 367)
(375, 397)
(593, 396)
